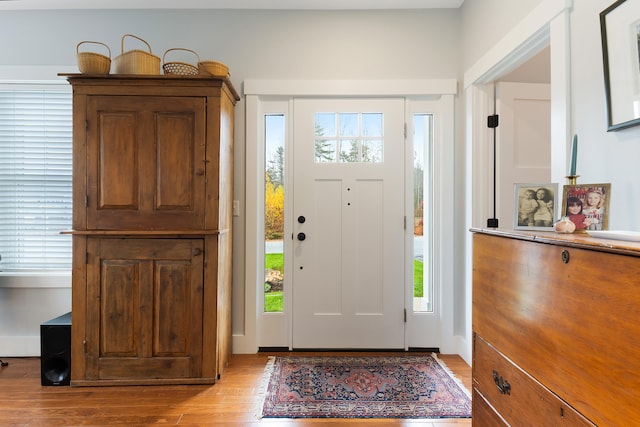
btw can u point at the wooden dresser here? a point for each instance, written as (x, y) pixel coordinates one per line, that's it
(152, 215)
(556, 330)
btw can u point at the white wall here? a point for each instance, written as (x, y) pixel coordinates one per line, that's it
(486, 22)
(255, 44)
(22, 310)
(602, 156)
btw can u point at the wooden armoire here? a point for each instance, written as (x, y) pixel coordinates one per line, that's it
(152, 216)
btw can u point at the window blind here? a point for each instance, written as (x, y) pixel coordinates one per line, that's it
(35, 179)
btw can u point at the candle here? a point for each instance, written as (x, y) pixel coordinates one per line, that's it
(574, 156)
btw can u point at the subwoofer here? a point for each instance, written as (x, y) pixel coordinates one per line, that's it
(55, 351)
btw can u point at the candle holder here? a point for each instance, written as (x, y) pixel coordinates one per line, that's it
(572, 179)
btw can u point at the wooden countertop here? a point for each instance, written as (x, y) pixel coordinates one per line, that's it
(577, 240)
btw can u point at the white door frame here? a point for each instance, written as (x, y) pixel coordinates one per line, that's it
(440, 229)
(547, 24)
(256, 93)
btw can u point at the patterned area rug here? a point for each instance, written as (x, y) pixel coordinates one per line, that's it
(362, 387)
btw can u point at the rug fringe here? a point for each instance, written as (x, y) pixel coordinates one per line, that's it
(451, 374)
(264, 384)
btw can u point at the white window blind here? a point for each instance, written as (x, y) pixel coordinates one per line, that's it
(35, 179)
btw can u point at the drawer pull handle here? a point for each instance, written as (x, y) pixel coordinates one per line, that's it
(503, 385)
(565, 256)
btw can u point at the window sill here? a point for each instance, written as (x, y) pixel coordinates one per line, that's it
(34, 279)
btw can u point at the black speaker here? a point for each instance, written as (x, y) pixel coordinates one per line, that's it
(55, 351)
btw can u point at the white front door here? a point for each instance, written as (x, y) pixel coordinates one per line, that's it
(348, 276)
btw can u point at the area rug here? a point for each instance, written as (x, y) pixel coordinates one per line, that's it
(362, 387)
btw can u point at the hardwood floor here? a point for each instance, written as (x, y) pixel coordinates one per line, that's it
(230, 402)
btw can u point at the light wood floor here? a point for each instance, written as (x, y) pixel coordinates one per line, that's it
(230, 402)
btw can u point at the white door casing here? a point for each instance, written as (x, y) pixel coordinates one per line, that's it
(252, 327)
(547, 24)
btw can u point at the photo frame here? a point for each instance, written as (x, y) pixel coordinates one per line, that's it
(593, 201)
(535, 206)
(620, 34)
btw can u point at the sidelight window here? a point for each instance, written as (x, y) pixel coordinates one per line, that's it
(422, 283)
(274, 213)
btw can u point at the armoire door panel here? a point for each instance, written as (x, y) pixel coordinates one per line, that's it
(120, 284)
(175, 180)
(150, 294)
(146, 162)
(118, 180)
(178, 295)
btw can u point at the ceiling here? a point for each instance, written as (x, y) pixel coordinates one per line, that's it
(229, 4)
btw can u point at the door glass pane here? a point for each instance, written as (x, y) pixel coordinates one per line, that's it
(422, 283)
(326, 150)
(372, 151)
(274, 213)
(349, 138)
(326, 124)
(372, 124)
(349, 151)
(349, 124)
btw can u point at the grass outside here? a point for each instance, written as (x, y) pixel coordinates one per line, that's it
(418, 278)
(274, 301)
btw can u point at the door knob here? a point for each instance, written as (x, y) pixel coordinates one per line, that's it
(301, 219)
(301, 236)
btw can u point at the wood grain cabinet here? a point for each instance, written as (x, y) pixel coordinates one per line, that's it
(555, 329)
(152, 206)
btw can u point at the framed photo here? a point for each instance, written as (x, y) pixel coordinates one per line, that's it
(535, 207)
(620, 34)
(587, 205)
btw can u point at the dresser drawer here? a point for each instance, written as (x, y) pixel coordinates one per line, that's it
(516, 396)
(483, 414)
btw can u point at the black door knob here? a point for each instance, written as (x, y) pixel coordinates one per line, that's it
(301, 236)
(301, 219)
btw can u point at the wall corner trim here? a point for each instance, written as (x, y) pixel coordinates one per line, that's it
(529, 35)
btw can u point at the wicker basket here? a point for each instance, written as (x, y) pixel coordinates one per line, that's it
(136, 61)
(91, 62)
(180, 68)
(213, 68)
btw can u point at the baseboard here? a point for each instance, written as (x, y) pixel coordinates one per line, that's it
(465, 349)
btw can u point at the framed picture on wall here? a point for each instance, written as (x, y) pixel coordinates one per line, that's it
(535, 206)
(620, 34)
(587, 205)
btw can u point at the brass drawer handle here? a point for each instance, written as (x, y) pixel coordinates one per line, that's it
(503, 385)
(565, 256)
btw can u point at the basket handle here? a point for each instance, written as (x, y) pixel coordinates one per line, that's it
(136, 37)
(180, 48)
(88, 41)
